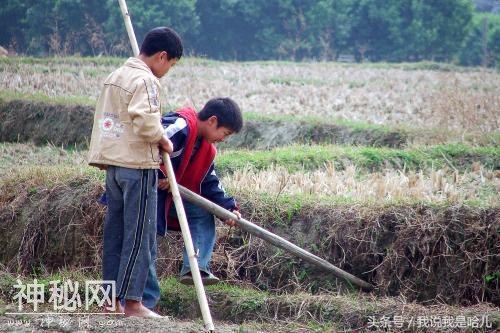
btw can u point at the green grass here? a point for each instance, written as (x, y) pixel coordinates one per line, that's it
(294, 159)
(298, 158)
(8, 95)
(227, 302)
(316, 120)
(177, 298)
(282, 207)
(95, 61)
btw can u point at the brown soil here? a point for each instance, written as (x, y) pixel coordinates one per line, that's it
(41, 123)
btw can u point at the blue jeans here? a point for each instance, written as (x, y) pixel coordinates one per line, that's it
(151, 294)
(129, 239)
(202, 228)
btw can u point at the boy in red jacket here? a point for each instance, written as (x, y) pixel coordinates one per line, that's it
(193, 136)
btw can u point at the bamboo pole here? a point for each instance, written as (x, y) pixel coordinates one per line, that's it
(179, 207)
(128, 26)
(188, 243)
(268, 236)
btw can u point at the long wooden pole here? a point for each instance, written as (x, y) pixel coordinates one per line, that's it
(129, 27)
(268, 236)
(188, 243)
(179, 207)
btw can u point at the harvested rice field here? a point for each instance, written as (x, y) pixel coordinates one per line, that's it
(390, 172)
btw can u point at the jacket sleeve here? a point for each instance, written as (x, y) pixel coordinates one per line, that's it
(211, 188)
(144, 111)
(176, 129)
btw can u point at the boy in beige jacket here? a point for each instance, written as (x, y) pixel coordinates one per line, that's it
(126, 138)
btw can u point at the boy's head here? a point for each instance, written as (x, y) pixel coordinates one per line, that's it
(162, 47)
(220, 117)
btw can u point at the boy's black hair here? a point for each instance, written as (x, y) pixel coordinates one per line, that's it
(162, 39)
(227, 112)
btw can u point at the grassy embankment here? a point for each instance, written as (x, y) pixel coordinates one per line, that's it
(405, 96)
(401, 245)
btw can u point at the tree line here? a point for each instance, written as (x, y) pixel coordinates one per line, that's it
(374, 30)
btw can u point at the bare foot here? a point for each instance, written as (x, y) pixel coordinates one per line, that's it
(118, 307)
(137, 309)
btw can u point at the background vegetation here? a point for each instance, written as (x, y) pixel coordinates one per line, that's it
(389, 30)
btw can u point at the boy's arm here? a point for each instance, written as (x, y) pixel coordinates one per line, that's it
(144, 112)
(211, 188)
(176, 130)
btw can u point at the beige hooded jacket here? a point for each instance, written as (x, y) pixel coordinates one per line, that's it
(127, 121)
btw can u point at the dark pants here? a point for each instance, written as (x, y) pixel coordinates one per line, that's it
(130, 230)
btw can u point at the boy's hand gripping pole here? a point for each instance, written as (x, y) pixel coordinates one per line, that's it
(181, 215)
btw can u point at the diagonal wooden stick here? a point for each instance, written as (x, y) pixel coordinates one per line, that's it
(179, 207)
(268, 236)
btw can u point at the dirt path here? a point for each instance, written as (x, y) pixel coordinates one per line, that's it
(103, 324)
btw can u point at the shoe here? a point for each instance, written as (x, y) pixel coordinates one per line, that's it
(207, 279)
(210, 279)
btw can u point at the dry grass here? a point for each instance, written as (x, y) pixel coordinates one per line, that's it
(463, 101)
(15, 156)
(432, 185)
(466, 108)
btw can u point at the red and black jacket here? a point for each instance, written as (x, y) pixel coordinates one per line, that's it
(194, 171)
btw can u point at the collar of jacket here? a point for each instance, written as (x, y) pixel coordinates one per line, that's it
(138, 63)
